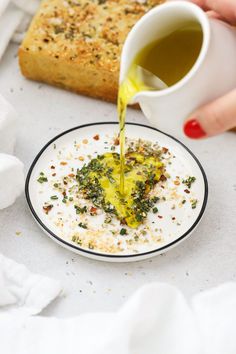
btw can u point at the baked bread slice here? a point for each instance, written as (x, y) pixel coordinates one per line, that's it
(76, 44)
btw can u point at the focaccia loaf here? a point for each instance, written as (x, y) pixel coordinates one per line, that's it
(76, 44)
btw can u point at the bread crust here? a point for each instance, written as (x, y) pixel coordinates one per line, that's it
(76, 44)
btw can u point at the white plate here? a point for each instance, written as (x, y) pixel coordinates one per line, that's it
(174, 225)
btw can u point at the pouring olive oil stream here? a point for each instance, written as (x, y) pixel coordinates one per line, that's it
(159, 65)
(121, 184)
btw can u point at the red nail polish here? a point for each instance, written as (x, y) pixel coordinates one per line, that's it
(193, 129)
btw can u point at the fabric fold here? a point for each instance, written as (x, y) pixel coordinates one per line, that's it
(22, 292)
(15, 16)
(3, 6)
(215, 311)
(157, 319)
(9, 21)
(28, 6)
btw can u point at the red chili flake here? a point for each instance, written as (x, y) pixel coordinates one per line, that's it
(163, 178)
(159, 216)
(96, 137)
(93, 211)
(63, 163)
(64, 193)
(123, 222)
(165, 150)
(64, 181)
(187, 191)
(117, 141)
(54, 174)
(173, 218)
(47, 208)
(53, 167)
(71, 175)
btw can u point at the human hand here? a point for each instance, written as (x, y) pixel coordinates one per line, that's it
(220, 115)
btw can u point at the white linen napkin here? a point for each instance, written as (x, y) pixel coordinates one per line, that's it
(15, 16)
(157, 319)
(11, 168)
(22, 292)
(215, 311)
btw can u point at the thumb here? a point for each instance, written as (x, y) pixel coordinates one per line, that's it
(213, 118)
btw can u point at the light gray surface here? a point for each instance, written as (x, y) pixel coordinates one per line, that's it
(206, 259)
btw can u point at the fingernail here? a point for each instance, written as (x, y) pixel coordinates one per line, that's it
(193, 129)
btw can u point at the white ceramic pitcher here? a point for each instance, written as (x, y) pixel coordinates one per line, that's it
(213, 74)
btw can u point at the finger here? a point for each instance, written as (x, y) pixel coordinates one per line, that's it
(213, 14)
(213, 119)
(225, 8)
